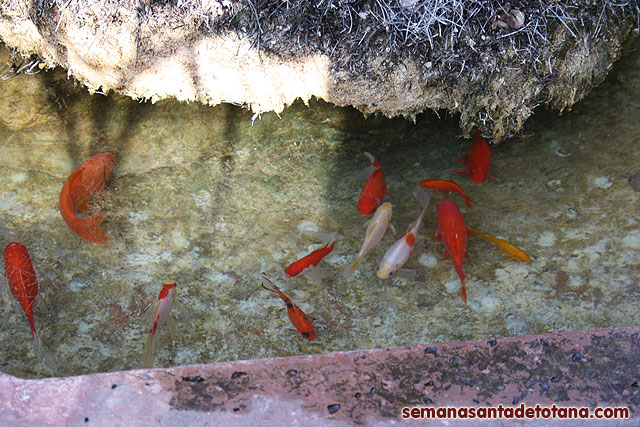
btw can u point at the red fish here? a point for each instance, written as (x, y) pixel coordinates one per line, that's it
(304, 264)
(453, 233)
(374, 189)
(478, 161)
(296, 315)
(446, 187)
(86, 180)
(23, 284)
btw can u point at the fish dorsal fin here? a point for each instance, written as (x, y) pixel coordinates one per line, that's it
(315, 274)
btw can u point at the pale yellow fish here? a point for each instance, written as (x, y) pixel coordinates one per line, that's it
(513, 251)
(375, 231)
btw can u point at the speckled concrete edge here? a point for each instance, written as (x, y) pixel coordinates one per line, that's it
(584, 368)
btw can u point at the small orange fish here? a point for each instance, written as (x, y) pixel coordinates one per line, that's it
(86, 180)
(446, 187)
(23, 284)
(304, 264)
(296, 315)
(375, 188)
(478, 161)
(513, 251)
(453, 233)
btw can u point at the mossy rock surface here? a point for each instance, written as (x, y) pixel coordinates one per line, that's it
(490, 62)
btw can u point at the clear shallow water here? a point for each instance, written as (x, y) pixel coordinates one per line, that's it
(207, 198)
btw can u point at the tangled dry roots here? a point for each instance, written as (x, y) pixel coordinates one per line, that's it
(491, 61)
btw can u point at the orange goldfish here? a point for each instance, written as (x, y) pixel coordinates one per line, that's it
(158, 315)
(296, 315)
(453, 233)
(513, 251)
(307, 264)
(446, 187)
(23, 284)
(86, 180)
(478, 161)
(375, 188)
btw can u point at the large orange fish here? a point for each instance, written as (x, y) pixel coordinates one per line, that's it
(375, 188)
(453, 233)
(513, 251)
(478, 161)
(23, 284)
(86, 180)
(446, 186)
(296, 315)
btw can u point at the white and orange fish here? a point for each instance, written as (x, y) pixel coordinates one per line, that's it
(158, 315)
(375, 231)
(402, 249)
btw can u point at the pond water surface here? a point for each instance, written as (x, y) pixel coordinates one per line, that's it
(210, 198)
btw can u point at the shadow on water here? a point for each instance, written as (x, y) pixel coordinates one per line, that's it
(105, 112)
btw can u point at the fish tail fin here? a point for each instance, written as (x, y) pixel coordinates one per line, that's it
(350, 268)
(37, 346)
(87, 228)
(171, 324)
(83, 205)
(463, 291)
(423, 198)
(147, 356)
(460, 273)
(325, 238)
(374, 161)
(316, 274)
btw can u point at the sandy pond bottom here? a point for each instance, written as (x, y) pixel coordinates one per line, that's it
(209, 198)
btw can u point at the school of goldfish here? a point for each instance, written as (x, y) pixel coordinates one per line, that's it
(89, 178)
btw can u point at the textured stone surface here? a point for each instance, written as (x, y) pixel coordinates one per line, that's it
(380, 57)
(586, 368)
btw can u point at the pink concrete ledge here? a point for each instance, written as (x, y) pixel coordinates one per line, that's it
(597, 368)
